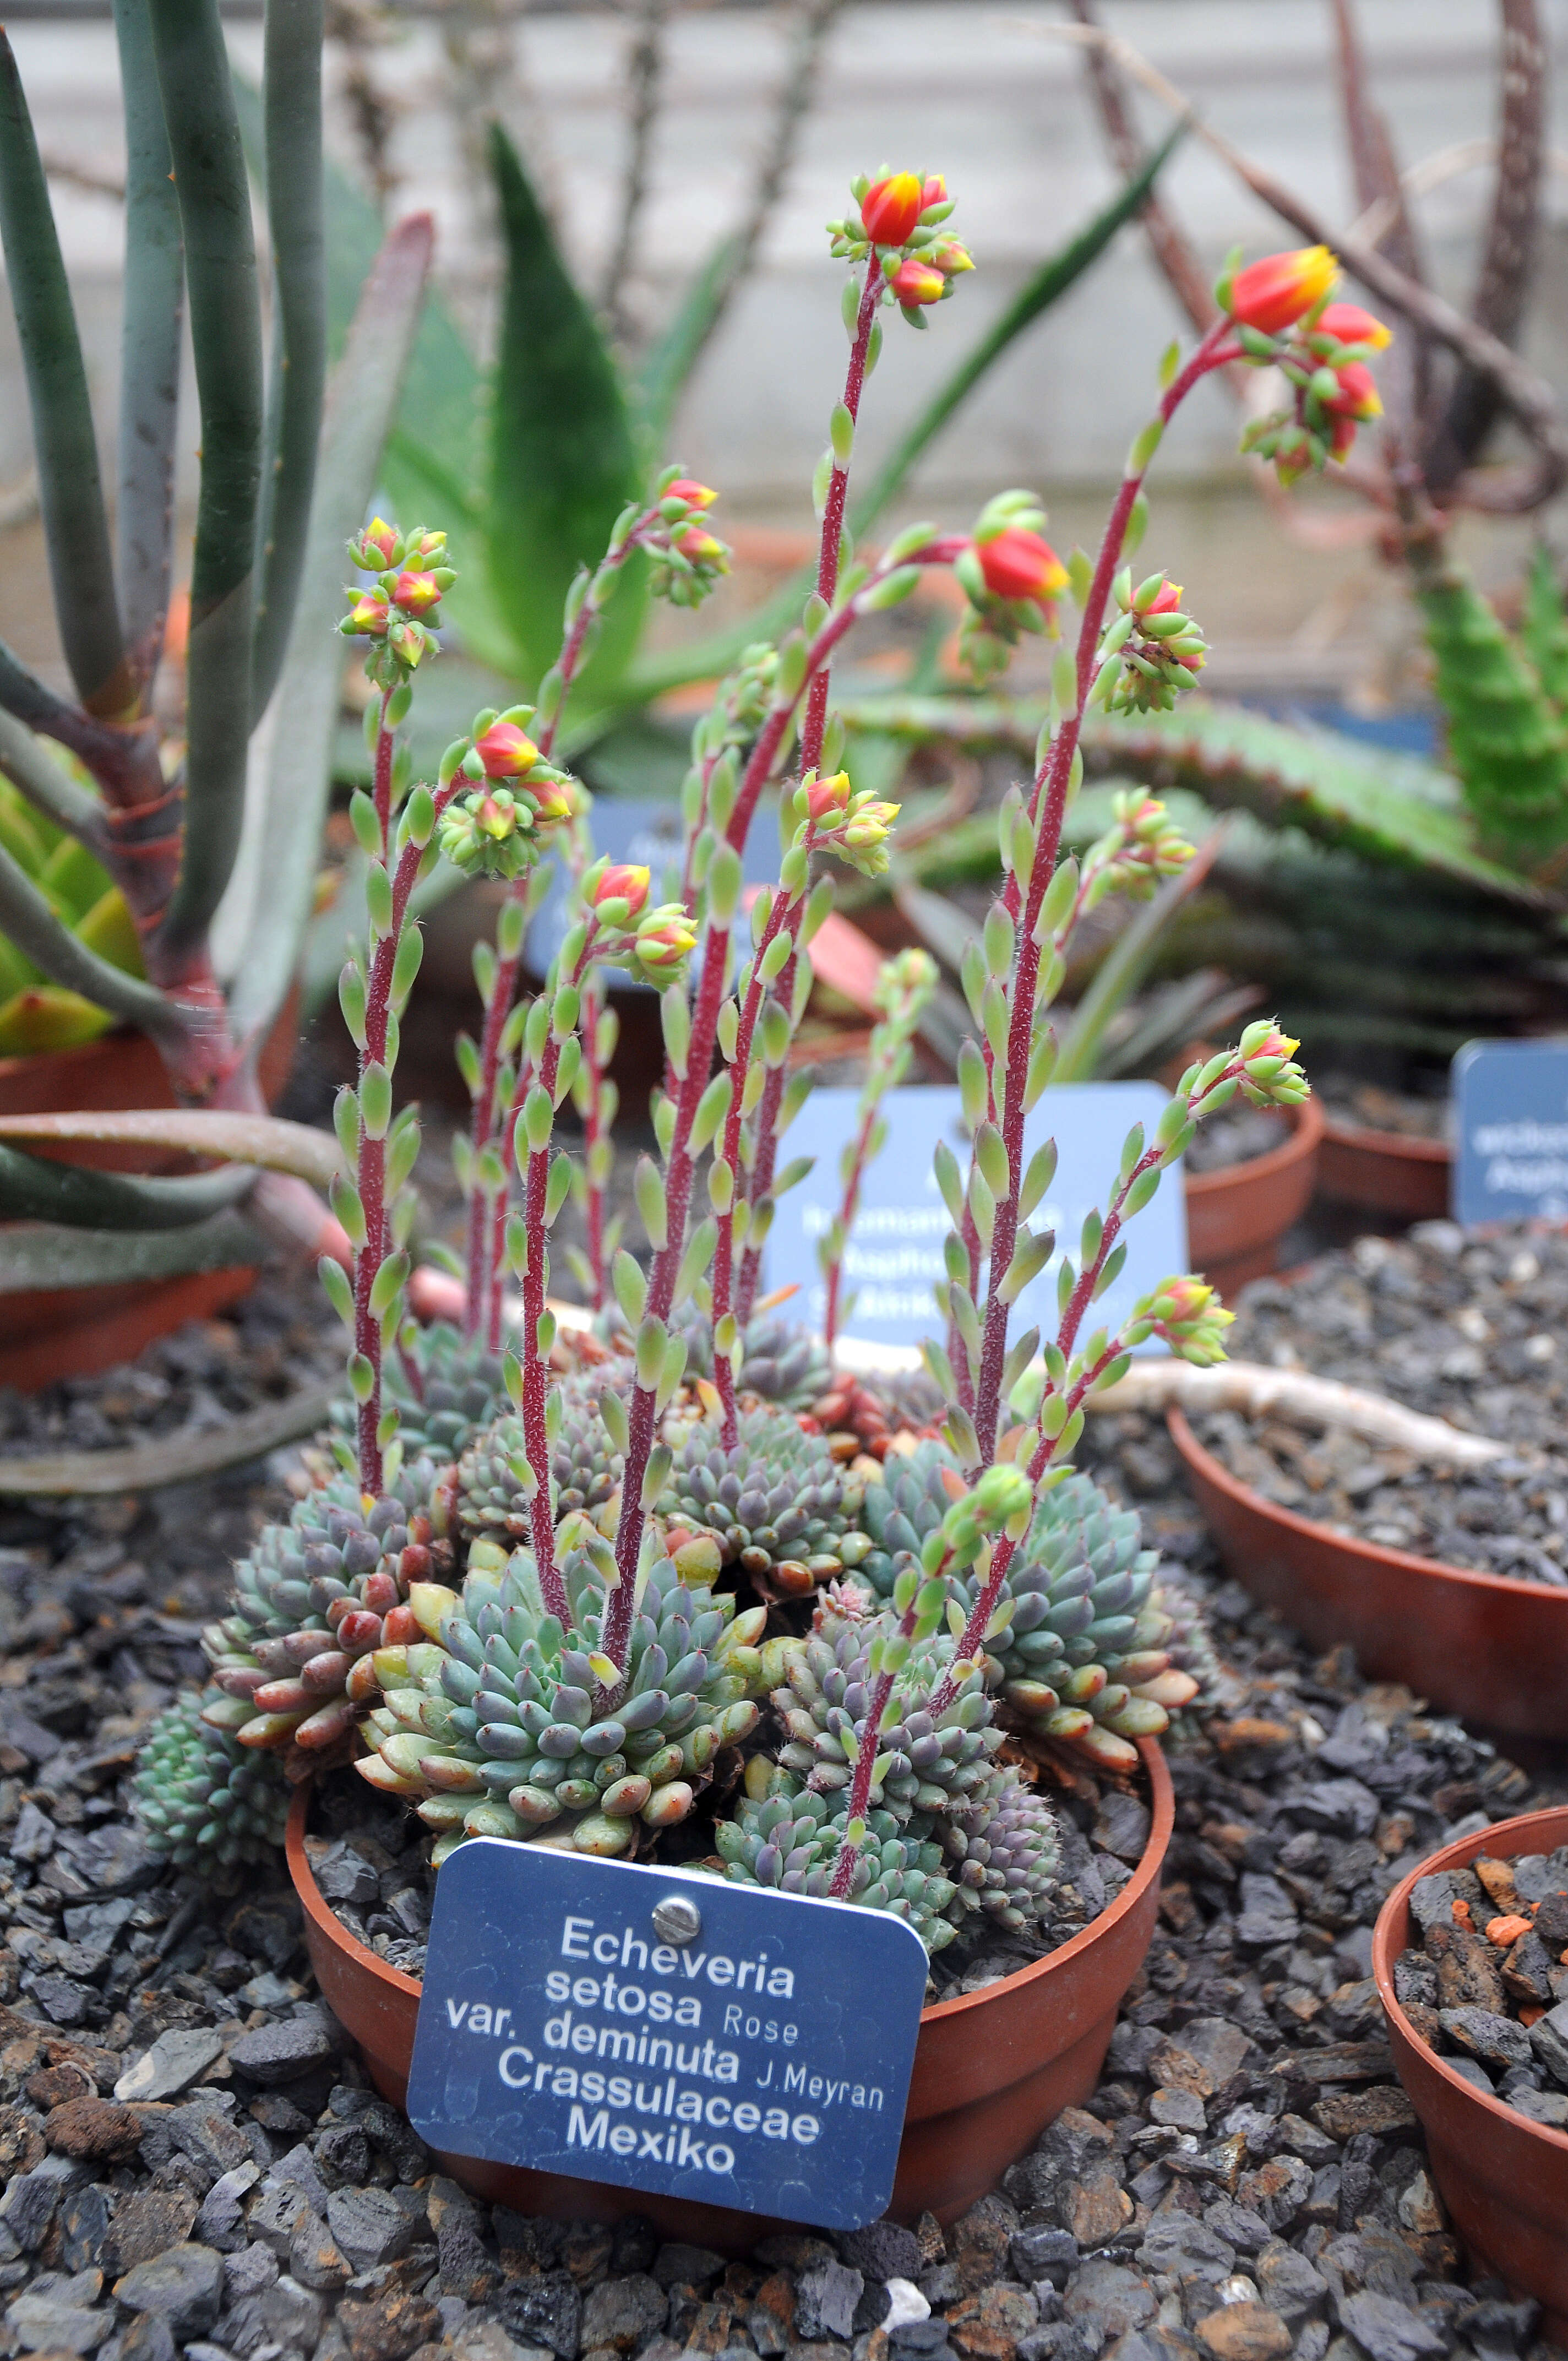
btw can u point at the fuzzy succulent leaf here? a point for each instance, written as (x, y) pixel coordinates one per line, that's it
(776, 1504)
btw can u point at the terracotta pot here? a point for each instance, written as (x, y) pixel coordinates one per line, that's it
(1236, 1217)
(992, 2069)
(1385, 1171)
(51, 1332)
(1481, 1644)
(1503, 2178)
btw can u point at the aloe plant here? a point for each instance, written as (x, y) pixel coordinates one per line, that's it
(125, 894)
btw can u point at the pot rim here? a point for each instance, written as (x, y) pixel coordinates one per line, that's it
(1162, 1822)
(1459, 1855)
(1386, 1143)
(1372, 1554)
(1307, 1124)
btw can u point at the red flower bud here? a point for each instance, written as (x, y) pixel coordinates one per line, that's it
(1357, 396)
(1352, 325)
(1271, 295)
(951, 256)
(369, 613)
(933, 191)
(915, 283)
(1018, 564)
(699, 546)
(623, 880)
(506, 750)
(381, 537)
(417, 593)
(891, 208)
(827, 799)
(696, 494)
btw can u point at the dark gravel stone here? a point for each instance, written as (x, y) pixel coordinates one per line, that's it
(282, 2053)
(884, 2250)
(184, 2286)
(1390, 2331)
(620, 2315)
(546, 2311)
(825, 2302)
(1496, 2040)
(676, 2265)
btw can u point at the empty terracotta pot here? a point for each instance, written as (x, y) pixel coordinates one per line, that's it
(992, 2069)
(1236, 1217)
(1485, 1646)
(1385, 1171)
(67, 1331)
(1503, 2178)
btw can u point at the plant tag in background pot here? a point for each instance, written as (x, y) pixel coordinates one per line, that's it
(666, 2031)
(894, 1255)
(1510, 1110)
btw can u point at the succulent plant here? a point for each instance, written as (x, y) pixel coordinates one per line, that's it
(35, 1013)
(496, 1482)
(453, 1390)
(315, 1599)
(1086, 1656)
(780, 1363)
(952, 1834)
(204, 1800)
(790, 1842)
(510, 1730)
(777, 1505)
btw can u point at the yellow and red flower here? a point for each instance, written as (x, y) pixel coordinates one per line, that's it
(506, 750)
(1018, 564)
(891, 208)
(623, 880)
(1273, 294)
(1352, 325)
(918, 282)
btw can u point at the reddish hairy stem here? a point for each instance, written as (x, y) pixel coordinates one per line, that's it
(833, 507)
(847, 1213)
(865, 1764)
(1047, 807)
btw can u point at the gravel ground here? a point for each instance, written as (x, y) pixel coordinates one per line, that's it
(1472, 1330)
(193, 2162)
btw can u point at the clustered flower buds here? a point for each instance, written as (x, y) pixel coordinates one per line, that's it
(1141, 848)
(1284, 319)
(900, 222)
(519, 801)
(652, 944)
(412, 576)
(687, 559)
(832, 817)
(1013, 578)
(1188, 1316)
(1152, 651)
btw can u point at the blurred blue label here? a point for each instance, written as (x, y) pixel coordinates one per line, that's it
(764, 2063)
(894, 1255)
(1510, 1108)
(653, 835)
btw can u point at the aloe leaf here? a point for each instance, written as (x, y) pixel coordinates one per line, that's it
(1546, 626)
(672, 355)
(292, 102)
(47, 1255)
(1045, 287)
(1390, 808)
(1506, 738)
(168, 1458)
(562, 461)
(262, 1139)
(70, 490)
(49, 788)
(280, 863)
(35, 1189)
(149, 348)
(225, 335)
(1124, 966)
(28, 918)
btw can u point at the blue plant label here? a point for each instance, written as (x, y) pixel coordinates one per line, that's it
(664, 2030)
(627, 828)
(894, 1255)
(1510, 1107)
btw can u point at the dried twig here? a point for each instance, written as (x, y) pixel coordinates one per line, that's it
(170, 1458)
(1248, 1387)
(644, 75)
(1528, 397)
